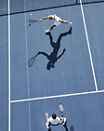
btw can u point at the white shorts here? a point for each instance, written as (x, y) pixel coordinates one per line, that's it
(57, 23)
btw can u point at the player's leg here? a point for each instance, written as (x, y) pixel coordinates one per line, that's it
(48, 126)
(57, 23)
(48, 30)
(49, 129)
(65, 124)
(51, 39)
(52, 26)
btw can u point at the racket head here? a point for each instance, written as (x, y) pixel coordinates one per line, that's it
(31, 61)
(33, 21)
(61, 107)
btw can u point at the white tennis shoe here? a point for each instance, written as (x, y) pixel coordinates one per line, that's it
(46, 31)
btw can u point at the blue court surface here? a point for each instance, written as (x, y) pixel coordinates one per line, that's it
(74, 79)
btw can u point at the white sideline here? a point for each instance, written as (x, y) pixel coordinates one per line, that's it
(26, 65)
(88, 44)
(47, 97)
(9, 78)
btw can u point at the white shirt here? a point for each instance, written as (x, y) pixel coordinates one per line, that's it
(56, 21)
(54, 121)
(57, 18)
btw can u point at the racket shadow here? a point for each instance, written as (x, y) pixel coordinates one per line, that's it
(72, 128)
(31, 61)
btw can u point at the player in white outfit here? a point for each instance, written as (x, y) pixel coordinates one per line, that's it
(55, 121)
(57, 21)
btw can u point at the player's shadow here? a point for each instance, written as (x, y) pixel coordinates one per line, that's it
(53, 57)
(72, 128)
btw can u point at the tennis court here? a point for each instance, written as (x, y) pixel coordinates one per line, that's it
(76, 80)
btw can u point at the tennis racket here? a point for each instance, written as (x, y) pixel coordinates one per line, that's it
(61, 108)
(33, 21)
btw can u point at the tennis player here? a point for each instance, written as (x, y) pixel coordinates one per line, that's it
(55, 121)
(57, 21)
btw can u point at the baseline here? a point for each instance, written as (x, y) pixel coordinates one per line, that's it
(57, 96)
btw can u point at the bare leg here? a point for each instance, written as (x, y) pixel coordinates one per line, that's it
(52, 26)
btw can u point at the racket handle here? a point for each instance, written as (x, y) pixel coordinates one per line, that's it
(62, 114)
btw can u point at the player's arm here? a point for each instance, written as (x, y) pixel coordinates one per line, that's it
(46, 114)
(65, 21)
(43, 19)
(62, 120)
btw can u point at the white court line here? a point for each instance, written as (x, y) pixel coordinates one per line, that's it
(57, 96)
(26, 51)
(88, 44)
(27, 66)
(9, 79)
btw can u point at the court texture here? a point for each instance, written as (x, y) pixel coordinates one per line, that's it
(76, 78)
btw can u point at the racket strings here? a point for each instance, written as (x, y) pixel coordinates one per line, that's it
(61, 107)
